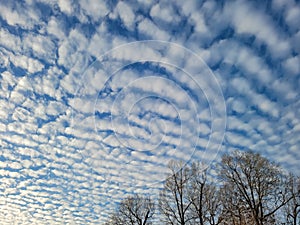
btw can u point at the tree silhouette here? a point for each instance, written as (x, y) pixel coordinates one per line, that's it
(188, 198)
(174, 201)
(133, 210)
(257, 183)
(206, 202)
(253, 190)
(292, 208)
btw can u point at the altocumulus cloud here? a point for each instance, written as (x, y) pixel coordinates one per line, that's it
(92, 108)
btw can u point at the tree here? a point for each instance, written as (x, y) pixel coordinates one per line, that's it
(292, 208)
(174, 202)
(205, 198)
(133, 210)
(254, 191)
(257, 185)
(188, 198)
(234, 210)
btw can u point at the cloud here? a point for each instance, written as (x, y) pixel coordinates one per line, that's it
(165, 12)
(126, 15)
(292, 65)
(148, 28)
(10, 41)
(247, 20)
(66, 6)
(13, 17)
(29, 64)
(292, 17)
(95, 10)
(91, 111)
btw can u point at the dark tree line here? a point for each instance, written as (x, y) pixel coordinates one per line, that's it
(133, 210)
(248, 189)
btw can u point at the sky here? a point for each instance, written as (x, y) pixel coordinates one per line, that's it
(96, 97)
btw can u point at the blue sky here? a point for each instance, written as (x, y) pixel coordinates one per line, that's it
(97, 96)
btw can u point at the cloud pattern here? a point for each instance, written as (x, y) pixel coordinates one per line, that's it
(97, 96)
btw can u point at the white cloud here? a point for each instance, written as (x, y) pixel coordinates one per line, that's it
(284, 89)
(292, 65)
(147, 27)
(126, 14)
(40, 45)
(164, 12)
(12, 17)
(10, 41)
(238, 105)
(247, 19)
(97, 10)
(5, 111)
(83, 105)
(61, 154)
(66, 6)
(199, 22)
(55, 28)
(55, 108)
(293, 17)
(29, 64)
(258, 100)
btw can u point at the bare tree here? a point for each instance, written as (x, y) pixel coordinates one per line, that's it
(188, 197)
(254, 191)
(257, 184)
(234, 210)
(133, 210)
(292, 208)
(206, 207)
(174, 202)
